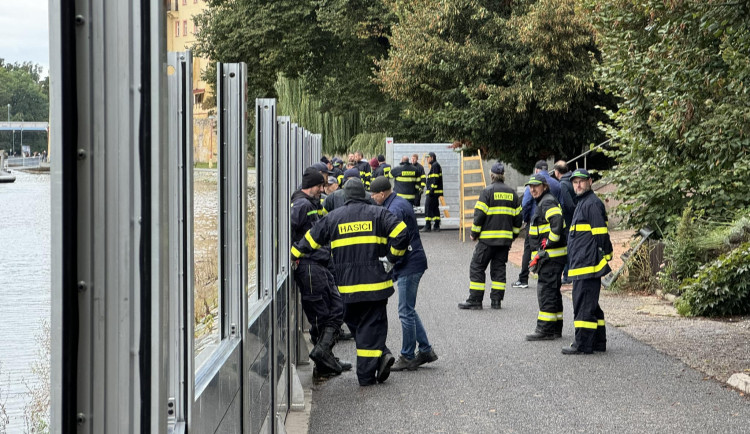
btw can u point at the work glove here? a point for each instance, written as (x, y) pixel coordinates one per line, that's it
(295, 264)
(537, 261)
(387, 265)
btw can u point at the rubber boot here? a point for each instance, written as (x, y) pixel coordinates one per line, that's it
(322, 354)
(436, 228)
(427, 227)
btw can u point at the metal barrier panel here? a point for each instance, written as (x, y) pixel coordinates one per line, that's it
(180, 389)
(281, 299)
(218, 382)
(110, 222)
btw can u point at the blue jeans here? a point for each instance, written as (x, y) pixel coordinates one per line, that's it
(413, 331)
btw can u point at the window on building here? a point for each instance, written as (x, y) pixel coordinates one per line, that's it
(195, 27)
(184, 27)
(184, 2)
(177, 28)
(195, 1)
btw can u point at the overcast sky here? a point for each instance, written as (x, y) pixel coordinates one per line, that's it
(24, 31)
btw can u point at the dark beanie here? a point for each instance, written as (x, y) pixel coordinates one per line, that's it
(354, 189)
(311, 178)
(432, 154)
(379, 184)
(381, 158)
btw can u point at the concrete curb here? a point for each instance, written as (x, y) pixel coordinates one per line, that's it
(740, 382)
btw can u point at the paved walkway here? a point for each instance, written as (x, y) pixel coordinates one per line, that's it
(489, 379)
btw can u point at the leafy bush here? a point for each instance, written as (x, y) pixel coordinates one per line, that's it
(721, 288)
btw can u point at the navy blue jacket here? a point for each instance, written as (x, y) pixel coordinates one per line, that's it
(569, 198)
(589, 246)
(415, 260)
(305, 212)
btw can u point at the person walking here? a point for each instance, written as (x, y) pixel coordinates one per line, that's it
(590, 251)
(497, 222)
(549, 255)
(407, 273)
(365, 170)
(433, 192)
(321, 301)
(360, 234)
(529, 205)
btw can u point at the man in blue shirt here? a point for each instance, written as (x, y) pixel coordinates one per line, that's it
(528, 207)
(407, 272)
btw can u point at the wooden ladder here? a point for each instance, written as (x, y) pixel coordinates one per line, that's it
(467, 213)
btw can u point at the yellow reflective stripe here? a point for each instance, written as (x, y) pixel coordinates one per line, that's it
(559, 316)
(475, 228)
(519, 210)
(435, 175)
(536, 230)
(497, 210)
(397, 230)
(553, 211)
(314, 244)
(588, 270)
(555, 253)
(396, 252)
(498, 285)
(364, 287)
(547, 316)
(405, 179)
(533, 230)
(496, 234)
(406, 196)
(369, 353)
(534, 253)
(437, 191)
(322, 211)
(313, 212)
(599, 231)
(581, 227)
(476, 286)
(296, 253)
(553, 237)
(364, 239)
(600, 322)
(584, 324)
(481, 205)
(608, 257)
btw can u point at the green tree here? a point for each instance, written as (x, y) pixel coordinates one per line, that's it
(681, 69)
(22, 86)
(512, 78)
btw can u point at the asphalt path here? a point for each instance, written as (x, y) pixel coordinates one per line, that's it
(488, 379)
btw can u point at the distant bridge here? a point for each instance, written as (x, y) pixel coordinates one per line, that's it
(22, 163)
(24, 126)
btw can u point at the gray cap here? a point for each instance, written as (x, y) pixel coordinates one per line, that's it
(354, 189)
(379, 184)
(332, 180)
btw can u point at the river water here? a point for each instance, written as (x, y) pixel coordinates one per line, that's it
(24, 290)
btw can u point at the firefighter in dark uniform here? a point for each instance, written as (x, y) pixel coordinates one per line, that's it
(497, 222)
(433, 192)
(338, 172)
(590, 251)
(360, 234)
(320, 298)
(365, 171)
(406, 181)
(384, 169)
(421, 179)
(549, 254)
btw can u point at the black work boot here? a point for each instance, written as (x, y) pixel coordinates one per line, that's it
(404, 364)
(573, 350)
(384, 368)
(497, 304)
(470, 304)
(427, 227)
(539, 336)
(345, 365)
(322, 354)
(436, 228)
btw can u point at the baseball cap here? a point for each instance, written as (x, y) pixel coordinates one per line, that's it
(581, 173)
(321, 167)
(351, 173)
(541, 164)
(379, 184)
(498, 168)
(536, 179)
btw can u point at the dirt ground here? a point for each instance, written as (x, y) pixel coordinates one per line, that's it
(718, 348)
